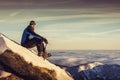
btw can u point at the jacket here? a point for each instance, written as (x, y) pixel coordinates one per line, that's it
(29, 34)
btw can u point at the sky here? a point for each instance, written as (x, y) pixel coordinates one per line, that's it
(67, 24)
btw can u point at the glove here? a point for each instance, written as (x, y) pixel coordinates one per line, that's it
(45, 40)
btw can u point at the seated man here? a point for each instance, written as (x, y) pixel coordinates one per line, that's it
(31, 39)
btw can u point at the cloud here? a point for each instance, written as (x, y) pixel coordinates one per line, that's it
(32, 3)
(16, 13)
(60, 18)
(2, 20)
(80, 16)
(54, 2)
(101, 33)
(59, 3)
(56, 17)
(79, 21)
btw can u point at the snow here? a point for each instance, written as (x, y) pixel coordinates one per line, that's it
(30, 57)
(88, 66)
(3, 47)
(4, 74)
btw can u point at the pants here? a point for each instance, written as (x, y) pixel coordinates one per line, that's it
(35, 42)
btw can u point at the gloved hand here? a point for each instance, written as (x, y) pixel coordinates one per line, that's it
(45, 40)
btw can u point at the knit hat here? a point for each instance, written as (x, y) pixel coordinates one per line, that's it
(32, 22)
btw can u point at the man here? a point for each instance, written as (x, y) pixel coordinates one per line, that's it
(31, 39)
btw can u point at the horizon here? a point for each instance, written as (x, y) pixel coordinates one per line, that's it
(68, 25)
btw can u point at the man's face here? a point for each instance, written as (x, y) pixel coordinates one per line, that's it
(33, 26)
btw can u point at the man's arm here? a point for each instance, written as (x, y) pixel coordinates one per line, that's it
(37, 35)
(30, 30)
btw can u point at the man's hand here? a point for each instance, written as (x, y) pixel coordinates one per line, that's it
(45, 40)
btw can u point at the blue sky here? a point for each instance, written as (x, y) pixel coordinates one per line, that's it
(66, 27)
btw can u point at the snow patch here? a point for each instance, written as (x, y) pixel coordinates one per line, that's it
(4, 74)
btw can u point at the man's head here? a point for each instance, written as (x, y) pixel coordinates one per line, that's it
(32, 24)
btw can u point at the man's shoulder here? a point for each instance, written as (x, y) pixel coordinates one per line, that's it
(26, 29)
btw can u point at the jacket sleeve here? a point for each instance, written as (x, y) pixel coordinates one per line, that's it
(31, 31)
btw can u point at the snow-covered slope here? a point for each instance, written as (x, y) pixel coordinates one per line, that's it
(30, 57)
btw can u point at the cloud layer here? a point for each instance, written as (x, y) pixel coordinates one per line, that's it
(58, 3)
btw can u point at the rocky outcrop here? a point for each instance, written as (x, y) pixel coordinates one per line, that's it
(18, 66)
(26, 65)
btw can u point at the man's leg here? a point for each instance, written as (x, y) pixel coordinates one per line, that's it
(41, 49)
(34, 42)
(31, 43)
(40, 46)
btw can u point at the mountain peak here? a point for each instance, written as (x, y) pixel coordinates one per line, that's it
(21, 60)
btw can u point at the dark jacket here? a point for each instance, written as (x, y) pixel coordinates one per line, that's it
(29, 34)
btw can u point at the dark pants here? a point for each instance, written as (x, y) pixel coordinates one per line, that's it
(35, 42)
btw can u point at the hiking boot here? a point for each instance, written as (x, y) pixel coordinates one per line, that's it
(40, 54)
(46, 55)
(49, 54)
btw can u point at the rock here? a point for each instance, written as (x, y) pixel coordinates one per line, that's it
(95, 71)
(17, 65)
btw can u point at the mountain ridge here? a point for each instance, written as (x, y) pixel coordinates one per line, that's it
(10, 52)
